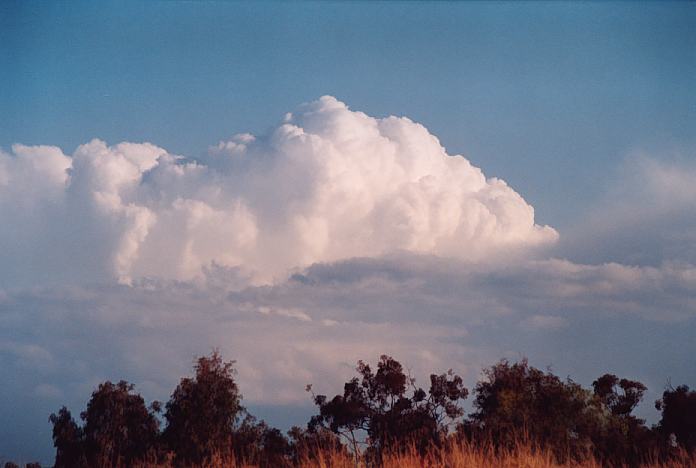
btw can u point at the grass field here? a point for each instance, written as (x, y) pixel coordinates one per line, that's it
(453, 456)
(464, 455)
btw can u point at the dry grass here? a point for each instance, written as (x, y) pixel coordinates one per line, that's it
(454, 456)
(466, 455)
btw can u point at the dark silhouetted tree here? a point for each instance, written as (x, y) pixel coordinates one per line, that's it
(621, 396)
(678, 408)
(274, 448)
(619, 437)
(201, 413)
(383, 409)
(390, 409)
(261, 445)
(519, 400)
(68, 439)
(119, 429)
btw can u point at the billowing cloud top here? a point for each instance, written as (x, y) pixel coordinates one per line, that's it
(327, 184)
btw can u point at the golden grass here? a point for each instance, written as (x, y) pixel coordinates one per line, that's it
(467, 455)
(457, 455)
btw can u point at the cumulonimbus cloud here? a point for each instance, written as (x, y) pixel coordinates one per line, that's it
(326, 184)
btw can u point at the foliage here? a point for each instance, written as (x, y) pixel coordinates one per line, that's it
(621, 396)
(261, 444)
(119, 429)
(560, 414)
(68, 439)
(201, 413)
(390, 409)
(517, 398)
(619, 437)
(522, 416)
(678, 408)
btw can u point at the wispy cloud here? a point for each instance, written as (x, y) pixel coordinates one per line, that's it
(646, 217)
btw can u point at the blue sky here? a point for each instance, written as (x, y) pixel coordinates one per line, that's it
(550, 97)
(332, 236)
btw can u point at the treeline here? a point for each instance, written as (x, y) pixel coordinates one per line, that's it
(381, 411)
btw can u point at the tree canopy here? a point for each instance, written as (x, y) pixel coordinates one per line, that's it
(380, 411)
(390, 408)
(202, 411)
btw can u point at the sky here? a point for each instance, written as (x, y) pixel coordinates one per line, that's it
(308, 184)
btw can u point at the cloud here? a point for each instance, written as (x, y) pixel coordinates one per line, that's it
(544, 322)
(334, 237)
(646, 217)
(431, 313)
(326, 184)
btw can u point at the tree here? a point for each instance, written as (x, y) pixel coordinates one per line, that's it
(678, 408)
(620, 437)
(517, 400)
(620, 396)
(390, 409)
(68, 439)
(201, 413)
(119, 429)
(259, 444)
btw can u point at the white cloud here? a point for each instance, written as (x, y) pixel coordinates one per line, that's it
(326, 184)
